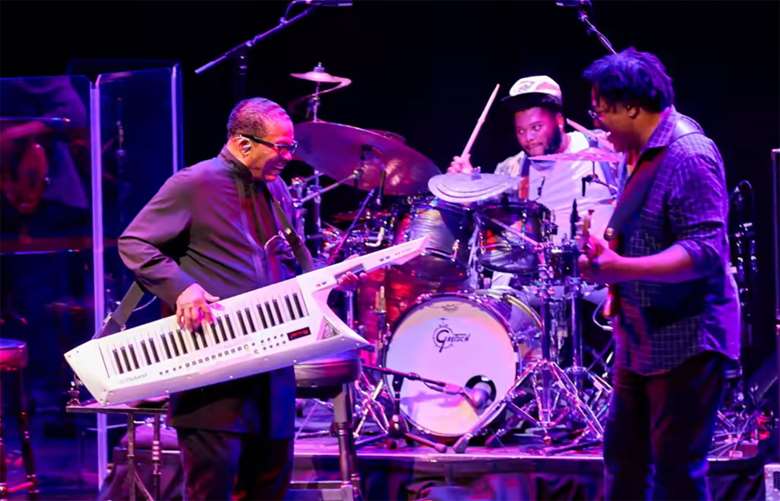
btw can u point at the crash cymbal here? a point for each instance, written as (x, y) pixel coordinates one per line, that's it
(469, 188)
(586, 155)
(339, 150)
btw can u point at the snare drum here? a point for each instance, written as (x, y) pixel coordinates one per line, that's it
(478, 340)
(449, 228)
(500, 249)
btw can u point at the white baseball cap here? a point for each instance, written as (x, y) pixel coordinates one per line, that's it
(524, 88)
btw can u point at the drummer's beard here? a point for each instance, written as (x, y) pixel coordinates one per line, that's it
(555, 142)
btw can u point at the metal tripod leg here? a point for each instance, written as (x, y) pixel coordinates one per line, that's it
(398, 428)
(496, 407)
(370, 406)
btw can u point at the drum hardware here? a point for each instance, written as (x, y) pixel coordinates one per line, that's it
(368, 391)
(599, 399)
(549, 384)
(594, 178)
(361, 210)
(368, 404)
(318, 76)
(317, 192)
(398, 427)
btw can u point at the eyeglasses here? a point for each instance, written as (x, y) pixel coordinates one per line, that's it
(595, 114)
(280, 147)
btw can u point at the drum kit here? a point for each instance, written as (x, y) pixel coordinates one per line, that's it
(455, 359)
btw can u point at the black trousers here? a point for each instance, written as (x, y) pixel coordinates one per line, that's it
(223, 465)
(659, 431)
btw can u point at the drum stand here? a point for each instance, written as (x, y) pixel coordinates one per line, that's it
(549, 383)
(398, 428)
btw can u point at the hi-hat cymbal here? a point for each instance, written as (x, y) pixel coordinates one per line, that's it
(469, 188)
(586, 155)
(339, 150)
(321, 76)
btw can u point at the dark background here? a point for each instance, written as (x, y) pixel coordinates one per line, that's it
(425, 70)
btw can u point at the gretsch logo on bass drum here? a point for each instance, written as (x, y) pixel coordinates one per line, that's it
(444, 337)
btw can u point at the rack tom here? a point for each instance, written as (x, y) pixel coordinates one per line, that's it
(449, 228)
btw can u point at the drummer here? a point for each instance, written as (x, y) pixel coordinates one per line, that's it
(537, 106)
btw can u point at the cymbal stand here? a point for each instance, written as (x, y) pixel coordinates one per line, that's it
(548, 385)
(368, 392)
(599, 399)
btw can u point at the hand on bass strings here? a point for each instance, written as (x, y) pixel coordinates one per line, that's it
(598, 263)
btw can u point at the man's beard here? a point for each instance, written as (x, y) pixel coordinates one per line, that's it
(555, 142)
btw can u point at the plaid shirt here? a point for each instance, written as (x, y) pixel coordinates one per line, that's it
(662, 325)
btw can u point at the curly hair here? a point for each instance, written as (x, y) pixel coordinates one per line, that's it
(251, 116)
(632, 77)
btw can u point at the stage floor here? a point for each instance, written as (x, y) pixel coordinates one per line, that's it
(66, 468)
(506, 473)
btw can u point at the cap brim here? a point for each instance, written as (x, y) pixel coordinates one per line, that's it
(528, 100)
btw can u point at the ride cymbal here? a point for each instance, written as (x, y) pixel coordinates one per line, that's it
(339, 150)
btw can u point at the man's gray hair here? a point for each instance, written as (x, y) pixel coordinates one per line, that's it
(251, 116)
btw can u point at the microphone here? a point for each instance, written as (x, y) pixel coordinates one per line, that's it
(591, 178)
(577, 4)
(541, 185)
(476, 397)
(325, 3)
(574, 217)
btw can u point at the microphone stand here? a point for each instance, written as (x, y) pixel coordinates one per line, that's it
(746, 262)
(590, 28)
(248, 44)
(398, 427)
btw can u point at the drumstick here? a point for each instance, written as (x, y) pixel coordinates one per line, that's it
(480, 121)
(581, 128)
(598, 137)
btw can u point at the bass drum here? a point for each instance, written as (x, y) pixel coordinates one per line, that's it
(478, 341)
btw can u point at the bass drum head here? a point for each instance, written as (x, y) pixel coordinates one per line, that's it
(460, 339)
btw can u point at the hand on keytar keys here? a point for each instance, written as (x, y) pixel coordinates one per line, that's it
(461, 165)
(193, 308)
